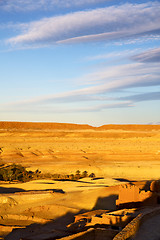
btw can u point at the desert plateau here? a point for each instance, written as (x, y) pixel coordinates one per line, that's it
(115, 196)
(79, 120)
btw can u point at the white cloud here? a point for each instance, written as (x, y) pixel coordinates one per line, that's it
(108, 23)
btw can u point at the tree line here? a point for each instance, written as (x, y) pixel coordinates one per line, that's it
(17, 172)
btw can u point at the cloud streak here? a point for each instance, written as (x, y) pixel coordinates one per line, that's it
(47, 5)
(68, 109)
(111, 80)
(150, 56)
(103, 92)
(110, 23)
(149, 96)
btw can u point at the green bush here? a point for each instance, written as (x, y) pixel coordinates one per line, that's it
(84, 174)
(15, 172)
(92, 175)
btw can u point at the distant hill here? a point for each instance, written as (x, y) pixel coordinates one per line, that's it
(70, 126)
(42, 125)
(130, 127)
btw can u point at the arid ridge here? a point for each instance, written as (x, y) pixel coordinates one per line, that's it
(71, 126)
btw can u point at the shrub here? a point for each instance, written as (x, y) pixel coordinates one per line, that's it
(92, 175)
(84, 174)
(72, 177)
(15, 172)
(77, 175)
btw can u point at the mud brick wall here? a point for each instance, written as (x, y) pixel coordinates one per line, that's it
(133, 226)
(130, 229)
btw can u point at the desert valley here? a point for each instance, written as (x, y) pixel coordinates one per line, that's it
(119, 190)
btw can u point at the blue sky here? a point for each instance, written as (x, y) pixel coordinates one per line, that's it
(80, 61)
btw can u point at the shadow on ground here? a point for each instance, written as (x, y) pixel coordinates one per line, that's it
(106, 203)
(11, 190)
(123, 180)
(52, 230)
(16, 190)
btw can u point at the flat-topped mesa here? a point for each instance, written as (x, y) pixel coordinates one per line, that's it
(130, 127)
(43, 125)
(72, 126)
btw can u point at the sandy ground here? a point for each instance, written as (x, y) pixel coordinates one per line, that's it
(116, 154)
(42, 203)
(131, 152)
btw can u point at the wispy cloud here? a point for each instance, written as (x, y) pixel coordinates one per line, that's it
(110, 23)
(132, 73)
(114, 55)
(111, 80)
(30, 5)
(139, 39)
(104, 91)
(67, 109)
(149, 96)
(152, 55)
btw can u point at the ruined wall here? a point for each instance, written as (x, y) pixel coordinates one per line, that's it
(117, 218)
(132, 228)
(133, 194)
(129, 230)
(128, 193)
(155, 186)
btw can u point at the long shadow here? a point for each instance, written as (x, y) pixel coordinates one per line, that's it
(44, 183)
(69, 180)
(147, 186)
(11, 190)
(106, 203)
(58, 190)
(57, 228)
(51, 230)
(123, 180)
(93, 186)
(16, 190)
(98, 178)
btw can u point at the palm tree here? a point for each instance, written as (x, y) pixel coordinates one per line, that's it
(84, 174)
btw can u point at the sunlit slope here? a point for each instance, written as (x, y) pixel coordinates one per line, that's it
(126, 151)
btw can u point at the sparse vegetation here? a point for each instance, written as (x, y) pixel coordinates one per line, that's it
(92, 175)
(16, 172)
(84, 174)
(72, 177)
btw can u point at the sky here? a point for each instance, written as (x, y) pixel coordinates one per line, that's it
(90, 62)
